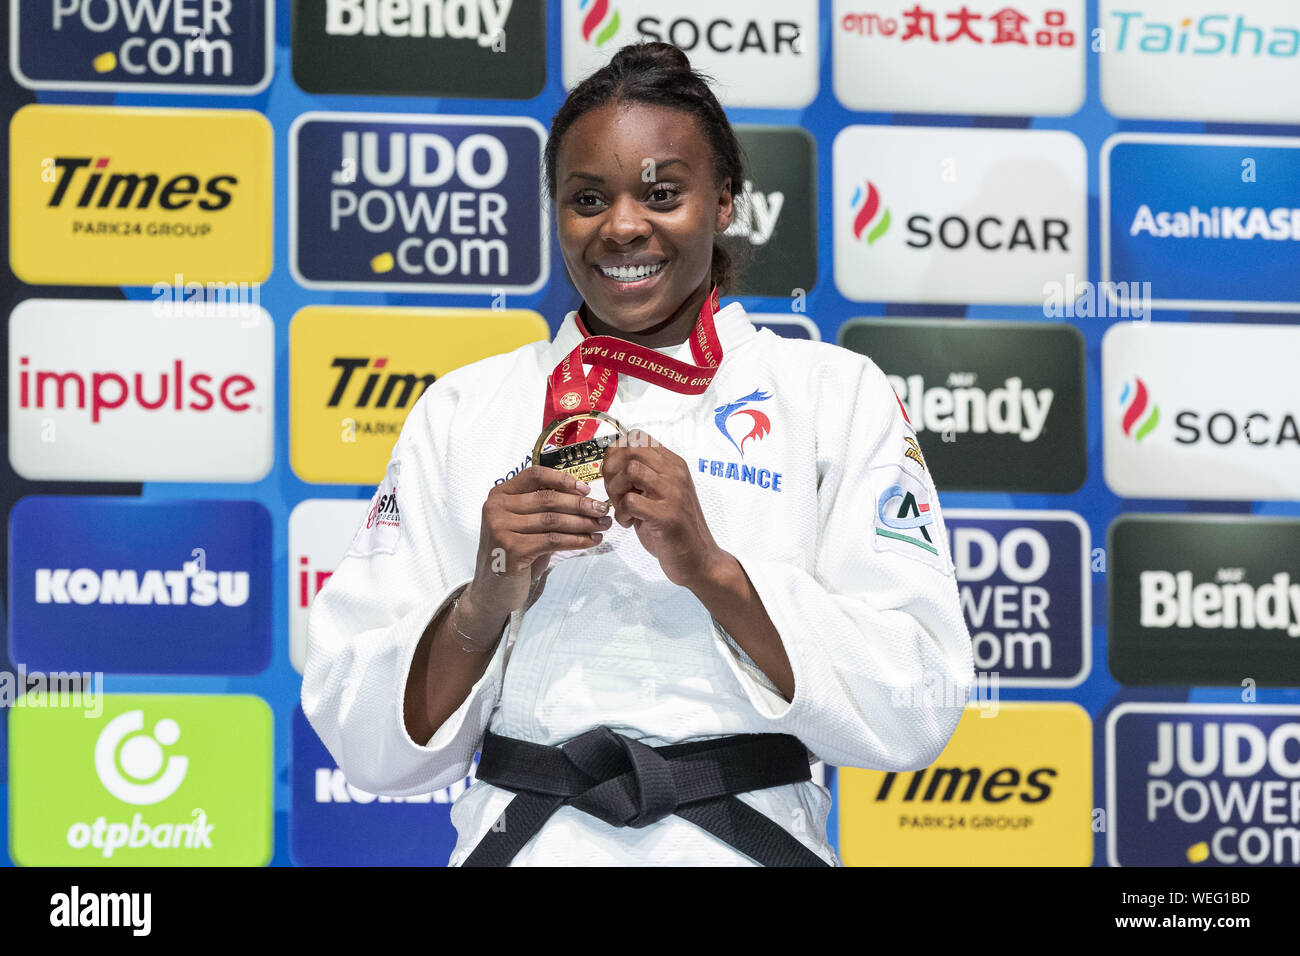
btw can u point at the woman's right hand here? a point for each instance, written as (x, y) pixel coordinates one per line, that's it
(525, 519)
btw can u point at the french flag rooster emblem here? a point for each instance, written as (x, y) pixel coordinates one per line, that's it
(759, 422)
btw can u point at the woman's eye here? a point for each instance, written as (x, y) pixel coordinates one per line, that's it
(586, 199)
(663, 194)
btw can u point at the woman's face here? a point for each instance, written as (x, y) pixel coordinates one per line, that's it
(637, 210)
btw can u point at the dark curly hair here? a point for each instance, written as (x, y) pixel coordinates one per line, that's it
(659, 74)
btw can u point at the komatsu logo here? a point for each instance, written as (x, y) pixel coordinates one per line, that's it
(189, 585)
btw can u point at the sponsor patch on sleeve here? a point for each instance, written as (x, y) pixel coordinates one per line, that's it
(906, 519)
(382, 527)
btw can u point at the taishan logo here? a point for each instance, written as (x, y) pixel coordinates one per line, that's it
(1212, 34)
(865, 206)
(1141, 415)
(118, 196)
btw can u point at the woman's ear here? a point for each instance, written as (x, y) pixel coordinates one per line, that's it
(726, 207)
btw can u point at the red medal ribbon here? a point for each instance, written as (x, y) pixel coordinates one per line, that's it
(570, 390)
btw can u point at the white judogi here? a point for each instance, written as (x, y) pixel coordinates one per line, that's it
(860, 589)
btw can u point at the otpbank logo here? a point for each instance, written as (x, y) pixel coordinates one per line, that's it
(1012, 788)
(952, 215)
(116, 391)
(335, 823)
(417, 204)
(127, 196)
(158, 780)
(356, 373)
(1204, 785)
(165, 46)
(763, 53)
(126, 586)
(1172, 217)
(1201, 60)
(979, 56)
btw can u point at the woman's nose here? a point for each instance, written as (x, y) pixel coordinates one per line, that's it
(625, 221)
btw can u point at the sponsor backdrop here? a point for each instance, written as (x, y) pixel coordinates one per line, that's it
(244, 236)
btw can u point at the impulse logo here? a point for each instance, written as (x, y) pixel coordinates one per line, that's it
(427, 204)
(107, 391)
(173, 46)
(599, 21)
(1141, 415)
(866, 205)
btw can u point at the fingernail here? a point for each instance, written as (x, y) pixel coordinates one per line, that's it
(602, 507)
(583, 487)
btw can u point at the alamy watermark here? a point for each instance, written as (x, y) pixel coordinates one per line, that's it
(1100, 300)
(75, 689)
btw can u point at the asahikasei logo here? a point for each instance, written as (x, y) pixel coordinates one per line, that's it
(1171, 216)
(334, 823)
(1202, 785)
(417, 204)
(166, 46)
(158, 780)
(133, 587)
(1026, 593)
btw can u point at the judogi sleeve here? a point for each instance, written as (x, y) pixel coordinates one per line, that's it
(405, 564)
(875, 634)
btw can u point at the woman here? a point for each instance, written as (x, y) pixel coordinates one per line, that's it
(773, 584)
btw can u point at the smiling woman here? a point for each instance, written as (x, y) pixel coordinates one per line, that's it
(647, 686)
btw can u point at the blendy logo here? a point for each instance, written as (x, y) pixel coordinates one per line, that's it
(961, 406)
(104, 390)
(128, 196)
(1012, 790)
(354, 380)
(928, 215)
(764, 54)
(1204, 600)
(1203, 785)
(472, 48)
(165, 46)
(1023, 578)
(997, 406)
(430, 204)
(775, 222)
(320, 532)
(987, 58)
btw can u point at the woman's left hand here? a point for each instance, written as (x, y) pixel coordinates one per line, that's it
(652, 492)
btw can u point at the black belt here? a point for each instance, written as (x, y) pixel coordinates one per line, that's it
(629, 784)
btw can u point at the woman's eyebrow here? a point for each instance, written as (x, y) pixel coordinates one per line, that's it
(659, 164)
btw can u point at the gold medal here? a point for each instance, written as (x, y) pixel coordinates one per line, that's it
(581, 459)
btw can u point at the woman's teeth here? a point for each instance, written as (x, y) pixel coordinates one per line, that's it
(632, 273)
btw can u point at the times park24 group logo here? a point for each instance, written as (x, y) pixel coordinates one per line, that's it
(131, 196)
(356, 373)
